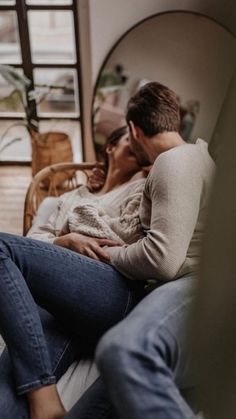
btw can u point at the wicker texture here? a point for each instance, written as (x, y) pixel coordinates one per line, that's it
(49, 177)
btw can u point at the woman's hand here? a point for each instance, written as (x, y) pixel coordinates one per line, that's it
(97, 179)
(87, 246)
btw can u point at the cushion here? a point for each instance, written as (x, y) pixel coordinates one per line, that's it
(76, 380)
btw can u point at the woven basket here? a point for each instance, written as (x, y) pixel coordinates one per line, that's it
(50, 148)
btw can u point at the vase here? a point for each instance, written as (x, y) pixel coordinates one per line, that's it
(50, 148)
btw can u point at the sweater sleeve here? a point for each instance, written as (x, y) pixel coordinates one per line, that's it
(47, 232)
(173, 193)
(57, 220)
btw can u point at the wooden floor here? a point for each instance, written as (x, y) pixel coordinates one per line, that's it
(14, 181)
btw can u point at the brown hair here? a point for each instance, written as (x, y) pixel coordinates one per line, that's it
(114, 139)
(154, 109)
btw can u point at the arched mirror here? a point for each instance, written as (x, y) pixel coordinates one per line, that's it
(190, 53)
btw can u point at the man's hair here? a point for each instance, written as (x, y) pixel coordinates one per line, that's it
(154, 109)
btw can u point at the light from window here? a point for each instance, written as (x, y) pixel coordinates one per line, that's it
(10, 99)
(63, 98)
(48, 2)
(7, 2)
(9, 39)
(52, 37)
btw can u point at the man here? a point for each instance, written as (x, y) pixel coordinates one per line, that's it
(145, 357)
(144, 360)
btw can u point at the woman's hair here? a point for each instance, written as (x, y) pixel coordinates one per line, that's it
(114, 139)
(154, 109)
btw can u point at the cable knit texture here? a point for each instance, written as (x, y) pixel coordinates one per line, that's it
(114, 215)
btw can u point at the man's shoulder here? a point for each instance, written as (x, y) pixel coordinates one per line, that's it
(173, 156)
(187, 160)
(187, 152)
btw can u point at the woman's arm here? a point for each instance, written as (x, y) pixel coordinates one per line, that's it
(57, 221)
(46, 232)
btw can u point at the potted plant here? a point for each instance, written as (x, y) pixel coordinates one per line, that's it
(49, 147)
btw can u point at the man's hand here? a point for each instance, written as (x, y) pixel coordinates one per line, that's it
(88, 246)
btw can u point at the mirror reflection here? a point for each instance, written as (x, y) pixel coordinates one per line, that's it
(189, 53)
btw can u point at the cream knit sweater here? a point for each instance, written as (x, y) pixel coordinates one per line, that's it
(114, 215)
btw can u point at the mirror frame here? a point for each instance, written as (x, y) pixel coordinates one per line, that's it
(120, 39)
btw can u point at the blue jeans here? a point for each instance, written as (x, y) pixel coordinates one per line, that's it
(86, 297)
(63, 349)
(145, 361)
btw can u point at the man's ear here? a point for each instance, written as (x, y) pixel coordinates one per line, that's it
(133, 129)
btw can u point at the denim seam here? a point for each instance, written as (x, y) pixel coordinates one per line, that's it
(187, 301)
(62, 354)
(127, 304)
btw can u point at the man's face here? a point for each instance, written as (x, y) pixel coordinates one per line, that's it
(138, 150)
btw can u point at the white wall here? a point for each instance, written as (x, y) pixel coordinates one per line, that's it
(225, 127)
(189, 53)
(109, 19)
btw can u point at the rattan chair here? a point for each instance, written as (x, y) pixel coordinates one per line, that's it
(53, 180)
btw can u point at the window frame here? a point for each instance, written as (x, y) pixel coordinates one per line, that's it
(27, 65)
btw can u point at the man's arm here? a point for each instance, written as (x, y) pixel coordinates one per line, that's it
(174, 188)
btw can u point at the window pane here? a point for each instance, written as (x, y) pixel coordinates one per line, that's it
(10, 99)
(62, 97)
(7, 2)
(48, 2)
(52, 36)
(9, 39)
(15, 143)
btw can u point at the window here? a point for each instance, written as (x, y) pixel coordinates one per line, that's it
(40, 39)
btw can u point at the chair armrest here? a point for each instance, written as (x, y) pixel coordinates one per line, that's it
(46, 183)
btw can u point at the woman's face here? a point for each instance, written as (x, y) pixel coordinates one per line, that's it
(123, 157)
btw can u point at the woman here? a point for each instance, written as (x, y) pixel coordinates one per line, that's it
(111, 213)
(86, 296)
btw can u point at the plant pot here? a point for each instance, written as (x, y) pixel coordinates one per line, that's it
(50, 148)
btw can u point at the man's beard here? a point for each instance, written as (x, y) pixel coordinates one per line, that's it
(141, 156)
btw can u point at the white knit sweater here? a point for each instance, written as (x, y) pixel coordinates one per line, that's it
(114, 215)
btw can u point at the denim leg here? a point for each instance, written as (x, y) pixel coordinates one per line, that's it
(11, 405)
(62, 350)
(21, 329)
(86, 296)
(145, 359)
(94, 404)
